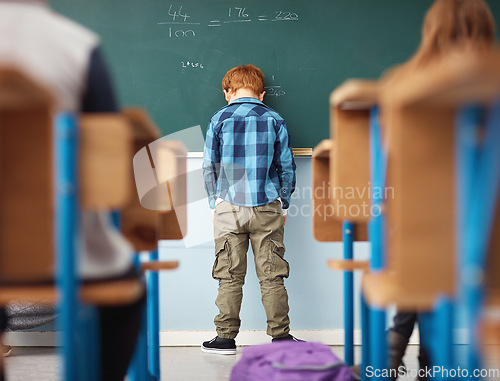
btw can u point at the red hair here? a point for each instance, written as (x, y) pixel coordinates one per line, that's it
(244, 76)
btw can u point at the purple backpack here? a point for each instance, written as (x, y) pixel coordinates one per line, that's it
(290, 361)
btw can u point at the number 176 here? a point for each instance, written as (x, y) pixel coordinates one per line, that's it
(241, 11)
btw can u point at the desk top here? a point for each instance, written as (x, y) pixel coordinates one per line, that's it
(17, 90)
(322, 150)
(355, 94)
(460, 78)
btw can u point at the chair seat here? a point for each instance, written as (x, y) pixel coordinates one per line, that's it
(100, 293)
(385, 288)
(348, 265)
(159, 265)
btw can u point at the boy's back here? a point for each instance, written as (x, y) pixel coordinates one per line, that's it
(250, 142)
(249, 176)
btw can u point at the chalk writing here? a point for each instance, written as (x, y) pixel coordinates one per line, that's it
(274, 91)
(193, 65)
(286, 16)
(240, 12)
(177, 15)
(181, 33)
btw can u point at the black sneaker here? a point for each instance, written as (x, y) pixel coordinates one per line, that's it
(219, 346)
(287, 337)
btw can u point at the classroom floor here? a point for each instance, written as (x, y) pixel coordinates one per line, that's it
(177, 364)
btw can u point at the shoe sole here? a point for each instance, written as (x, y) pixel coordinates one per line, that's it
(218, 351)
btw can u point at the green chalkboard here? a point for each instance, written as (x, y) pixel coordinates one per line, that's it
(170, 56)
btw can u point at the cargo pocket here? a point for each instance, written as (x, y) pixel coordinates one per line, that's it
(222, 262)
(279, 266)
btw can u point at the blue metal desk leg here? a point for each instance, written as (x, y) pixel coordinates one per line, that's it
(66, 231)
(153, 320)
(348, 239)
(428, 336)
(365, 337)
(436, 338)
(138, 368)
(478, 168)
(378, 341)
(467, 151)
(443, 354)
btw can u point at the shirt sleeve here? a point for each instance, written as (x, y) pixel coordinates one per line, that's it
(285, 164)
(211, 164)
(99, 95)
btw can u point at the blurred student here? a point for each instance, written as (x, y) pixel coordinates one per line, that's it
(449, 25)
(66, 58)
(249, 173)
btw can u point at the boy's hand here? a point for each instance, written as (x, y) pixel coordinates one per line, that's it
(284, 220)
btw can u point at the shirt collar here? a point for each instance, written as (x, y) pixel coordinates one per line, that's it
(247, 100)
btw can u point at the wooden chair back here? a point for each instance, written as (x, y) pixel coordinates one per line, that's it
(326, 226)
(26, 186)
(144, 227)
(350, 106)
(27, 171)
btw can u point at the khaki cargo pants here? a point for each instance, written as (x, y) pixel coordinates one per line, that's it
(233, 227)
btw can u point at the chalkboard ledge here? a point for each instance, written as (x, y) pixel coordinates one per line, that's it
(297, 152)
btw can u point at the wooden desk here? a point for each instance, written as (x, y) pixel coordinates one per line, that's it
(350, 106)
(142, 226)
(27, 156)
(420, 114)
(326, 226)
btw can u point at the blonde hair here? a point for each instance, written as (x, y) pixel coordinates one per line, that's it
(451, 24)
(244, 76)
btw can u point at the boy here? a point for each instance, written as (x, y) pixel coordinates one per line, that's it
(249, 174)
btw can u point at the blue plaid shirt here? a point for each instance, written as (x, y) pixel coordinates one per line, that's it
(248, 159)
